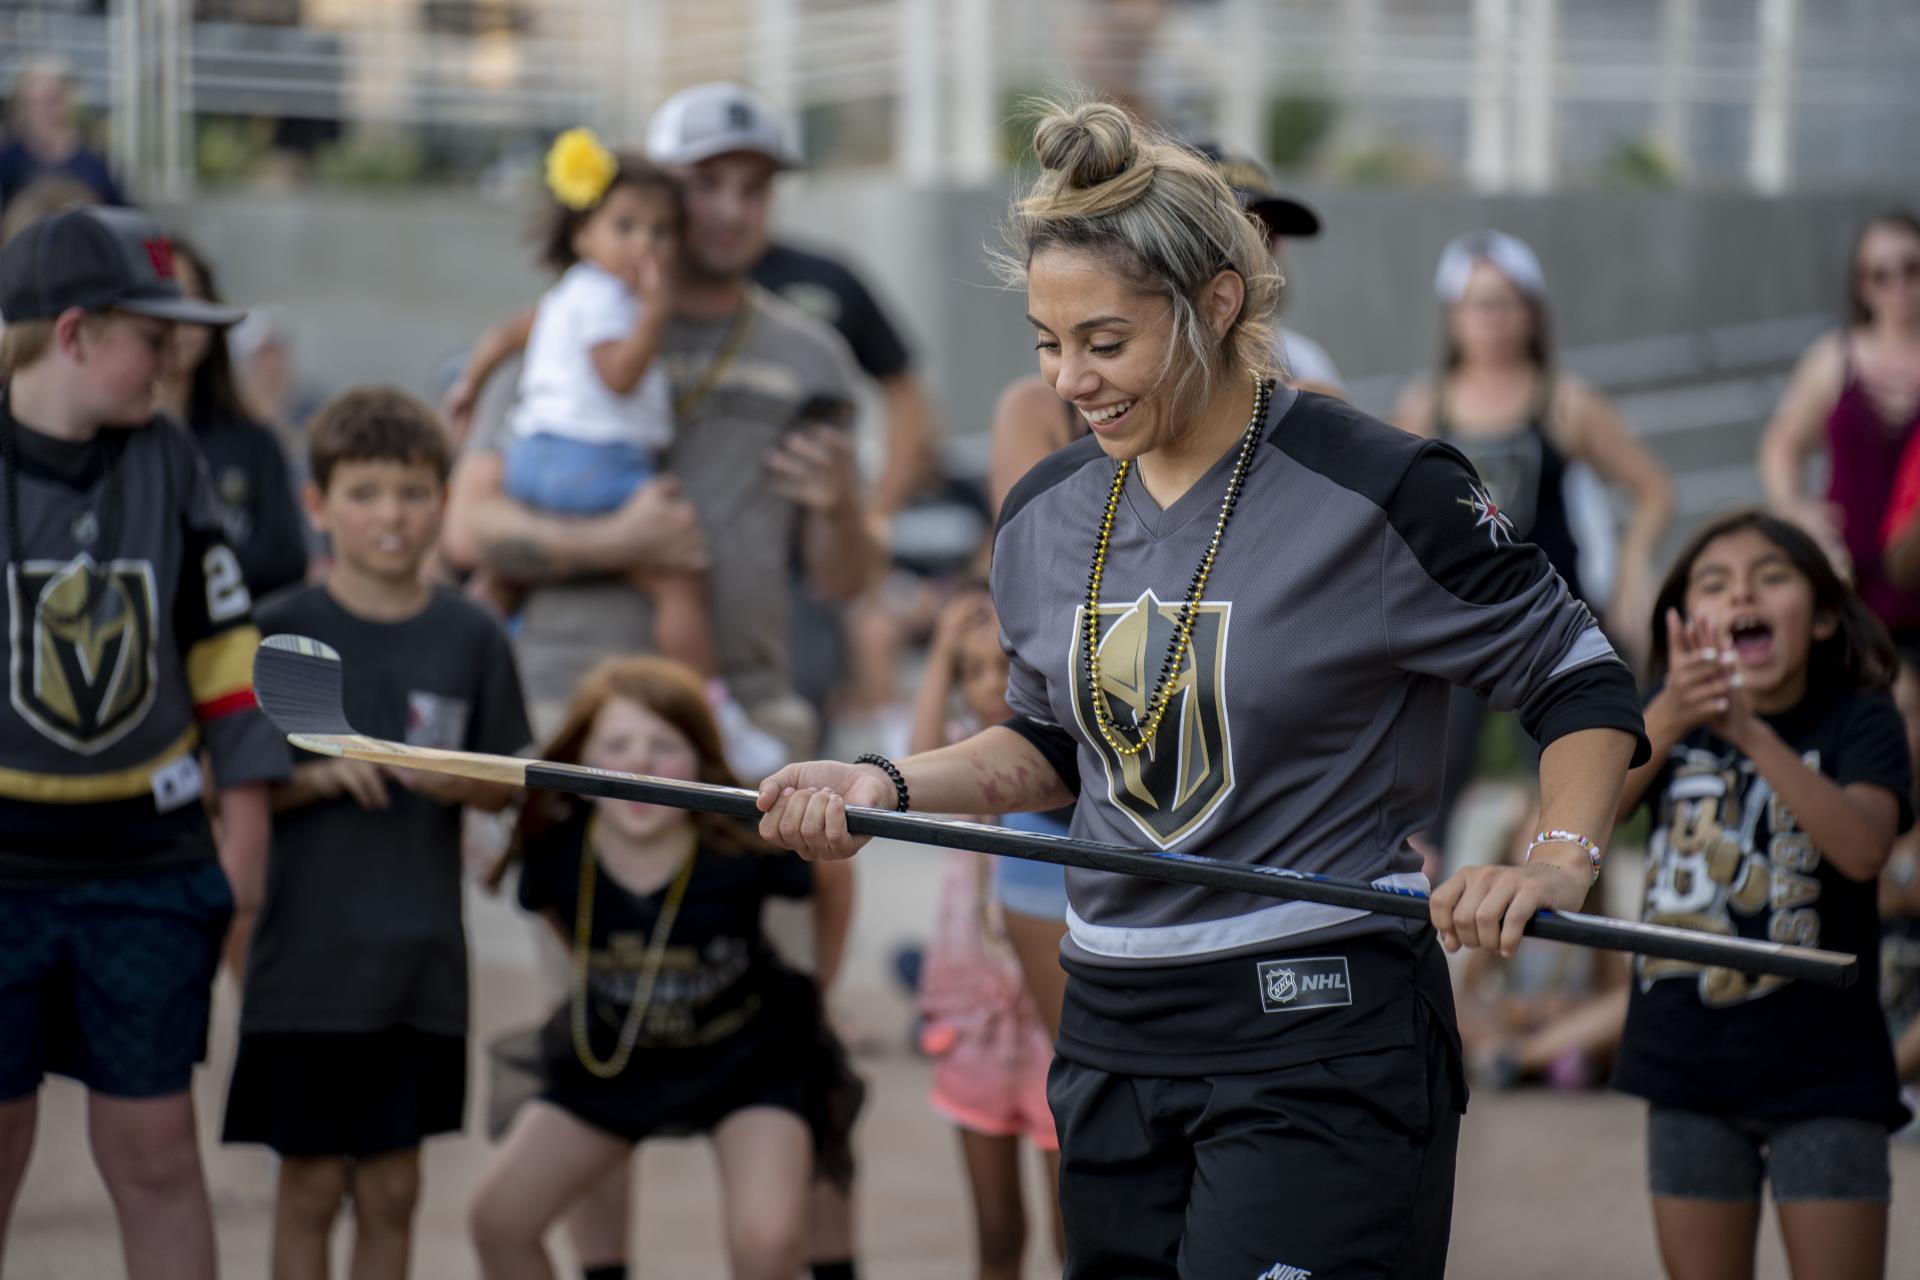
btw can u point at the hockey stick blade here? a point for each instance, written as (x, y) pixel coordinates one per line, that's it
(298, 683)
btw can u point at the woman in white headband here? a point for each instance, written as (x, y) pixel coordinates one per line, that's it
(1497, 397)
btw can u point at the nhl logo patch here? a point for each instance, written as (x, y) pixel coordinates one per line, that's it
(1313, 982)
(1282, 985)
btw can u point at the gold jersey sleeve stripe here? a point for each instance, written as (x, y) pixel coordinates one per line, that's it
(222, 665)
(93, 788)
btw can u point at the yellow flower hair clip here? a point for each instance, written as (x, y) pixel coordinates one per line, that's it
(580, 169)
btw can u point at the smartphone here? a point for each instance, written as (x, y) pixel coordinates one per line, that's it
(823, 411)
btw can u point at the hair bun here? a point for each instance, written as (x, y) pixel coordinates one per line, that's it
(1088, 145)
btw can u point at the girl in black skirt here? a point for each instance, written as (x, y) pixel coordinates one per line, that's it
(682, 1020)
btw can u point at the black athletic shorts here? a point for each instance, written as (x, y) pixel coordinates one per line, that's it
(110, 980)
(1332, 1166)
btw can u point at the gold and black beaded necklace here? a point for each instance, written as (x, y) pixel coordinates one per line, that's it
(1158, 701)
(650, 963)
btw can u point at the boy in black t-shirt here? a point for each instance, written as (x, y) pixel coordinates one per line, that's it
(353, 1034)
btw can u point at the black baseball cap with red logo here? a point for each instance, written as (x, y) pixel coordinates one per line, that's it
(98, 259)
(1250, 180)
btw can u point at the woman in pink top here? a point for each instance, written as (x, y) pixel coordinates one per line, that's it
(1856, 395)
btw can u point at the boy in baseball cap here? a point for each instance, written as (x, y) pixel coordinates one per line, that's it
(98, 259)
(129, 650)
(90, 294)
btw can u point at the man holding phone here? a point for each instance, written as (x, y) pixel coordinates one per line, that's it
(760, 471)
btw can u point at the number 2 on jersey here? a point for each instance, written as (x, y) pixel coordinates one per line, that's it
(227, 596)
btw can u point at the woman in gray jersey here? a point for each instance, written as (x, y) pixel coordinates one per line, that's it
(1232, 615)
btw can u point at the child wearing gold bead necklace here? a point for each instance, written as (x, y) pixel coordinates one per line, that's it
(681, 1019)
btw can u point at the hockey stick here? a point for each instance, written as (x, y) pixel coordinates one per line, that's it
(298, 684)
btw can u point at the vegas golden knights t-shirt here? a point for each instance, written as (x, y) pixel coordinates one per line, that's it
(129, 645)
(1727, 856)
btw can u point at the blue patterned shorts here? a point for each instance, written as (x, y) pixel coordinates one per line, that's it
(110, 980)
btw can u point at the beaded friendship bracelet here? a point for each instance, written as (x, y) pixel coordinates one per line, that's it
(892, 771)
(1567, 837)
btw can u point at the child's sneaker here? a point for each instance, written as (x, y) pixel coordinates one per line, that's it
(751, 751)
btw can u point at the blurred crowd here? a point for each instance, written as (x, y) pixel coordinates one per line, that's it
(657, 457)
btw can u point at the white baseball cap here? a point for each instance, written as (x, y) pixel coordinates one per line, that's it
(708, 120)
(1509, 255)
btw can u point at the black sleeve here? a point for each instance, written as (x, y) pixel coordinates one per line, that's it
(1466, 603)
(877, 344)
(1054, 744)
(276, 555)
(1874, 751)
(214, 628)
(1600, 696)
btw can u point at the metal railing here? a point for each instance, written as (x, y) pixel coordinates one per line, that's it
(1497, 94)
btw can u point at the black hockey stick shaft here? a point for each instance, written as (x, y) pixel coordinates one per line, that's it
(298, 683)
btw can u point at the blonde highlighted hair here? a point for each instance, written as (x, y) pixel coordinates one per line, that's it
(1162, 216)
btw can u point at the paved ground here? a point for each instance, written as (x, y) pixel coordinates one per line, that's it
(1549, 1186)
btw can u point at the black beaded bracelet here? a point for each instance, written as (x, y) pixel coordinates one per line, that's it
(892, 771)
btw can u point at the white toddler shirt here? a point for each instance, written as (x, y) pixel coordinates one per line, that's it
(562, 394)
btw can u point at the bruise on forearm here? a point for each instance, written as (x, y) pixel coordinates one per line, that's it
(1012, 785)
(994, 771)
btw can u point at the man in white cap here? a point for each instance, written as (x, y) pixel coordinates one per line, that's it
(750, 483)
(683, 134)
(753, 480)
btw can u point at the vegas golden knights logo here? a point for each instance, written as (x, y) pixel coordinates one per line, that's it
(1726, 851)
(1181, 778)
(82, 681)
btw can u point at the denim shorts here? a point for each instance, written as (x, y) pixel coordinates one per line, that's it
(1031, 888)
(1692, 1156)
(110, 980)
(573, 477)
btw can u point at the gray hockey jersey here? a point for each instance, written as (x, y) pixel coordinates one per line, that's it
(1363, 572)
